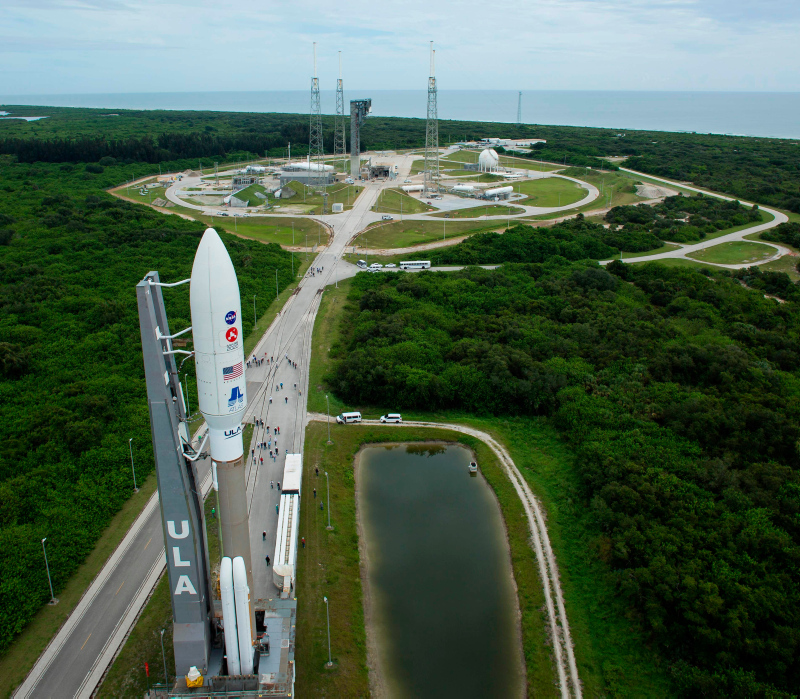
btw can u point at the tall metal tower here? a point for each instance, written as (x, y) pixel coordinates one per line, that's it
(315, 151)
(432, 134)
(519, 110)
(339, 138)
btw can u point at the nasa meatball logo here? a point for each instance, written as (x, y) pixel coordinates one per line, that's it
(231, 334)
(230, 317)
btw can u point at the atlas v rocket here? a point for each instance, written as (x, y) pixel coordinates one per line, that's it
(219, 359)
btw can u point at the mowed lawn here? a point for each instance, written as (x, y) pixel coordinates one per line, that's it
(552, 191)
(734, 253)
(273, 230)
(396, 201)
(403, 234)
(478, 211)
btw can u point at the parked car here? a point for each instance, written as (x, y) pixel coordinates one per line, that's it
(376, 265)
(392, 417)
(391, 265)
(406, 181)
(387, 217)
(373, 270)
(346, 418)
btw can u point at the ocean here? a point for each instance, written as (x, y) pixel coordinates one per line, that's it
(775, 114)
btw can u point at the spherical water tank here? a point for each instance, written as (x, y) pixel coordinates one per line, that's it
(488, 159)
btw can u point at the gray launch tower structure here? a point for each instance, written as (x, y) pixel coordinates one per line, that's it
(315, 147)
(431, 181)
(358, 112)
(178, 485)
(339, 132)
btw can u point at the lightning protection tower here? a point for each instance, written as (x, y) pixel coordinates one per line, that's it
(339, 138)
(315, 152)
(432, 134)
(519, 109)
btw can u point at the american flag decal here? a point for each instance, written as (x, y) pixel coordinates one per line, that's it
(232, 372)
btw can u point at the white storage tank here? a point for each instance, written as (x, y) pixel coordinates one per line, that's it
(499, 192)
(488, 160)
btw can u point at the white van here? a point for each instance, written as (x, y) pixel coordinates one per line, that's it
(392, 417)
(362, 264)
(346, 418)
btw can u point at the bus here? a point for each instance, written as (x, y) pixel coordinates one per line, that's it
(415, 264)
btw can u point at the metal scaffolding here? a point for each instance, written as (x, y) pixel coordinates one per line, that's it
(339, 137)
(315, 150)
(431, 183)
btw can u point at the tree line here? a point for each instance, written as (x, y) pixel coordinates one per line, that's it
(678, 391)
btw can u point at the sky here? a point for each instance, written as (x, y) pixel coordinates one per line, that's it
(102, 46)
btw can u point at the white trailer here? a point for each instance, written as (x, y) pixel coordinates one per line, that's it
(498, 192)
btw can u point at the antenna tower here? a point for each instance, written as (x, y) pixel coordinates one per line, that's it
(339, 138)
(315, 152)
(519, 110)
(432, 134)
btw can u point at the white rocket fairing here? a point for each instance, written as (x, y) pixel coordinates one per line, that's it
(229, 615)
(218, 346)
(241, 592)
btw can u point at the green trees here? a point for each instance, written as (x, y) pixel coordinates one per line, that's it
(679, 392)
(71, 377)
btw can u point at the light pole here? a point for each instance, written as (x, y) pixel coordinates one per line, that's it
(327, 481)
(133, 470)
(276, 284)
(164, 658)
(327, 402)
(53, 599)
(255, 317)
(328, 615)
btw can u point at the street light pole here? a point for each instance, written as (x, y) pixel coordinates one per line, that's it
(328, 615)
(255, 317)
(133, 470)
(327, 402)
(164, 658)
(327, 481)
(276, 284)
(53, 599)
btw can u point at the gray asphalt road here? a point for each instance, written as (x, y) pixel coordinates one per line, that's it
(74, 661)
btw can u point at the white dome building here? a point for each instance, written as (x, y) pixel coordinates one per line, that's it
(488, 160)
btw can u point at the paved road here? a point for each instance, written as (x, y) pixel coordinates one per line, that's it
(684, 250)
(75, 660)
(84, 647)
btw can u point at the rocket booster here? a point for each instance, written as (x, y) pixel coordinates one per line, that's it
(219, 346)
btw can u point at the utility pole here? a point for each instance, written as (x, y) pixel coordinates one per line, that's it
(276, 283)
(130, 445)
(329, 527)
(164, 658)
(328, 615)
(53, 599)
(255, 317)
(327, 402)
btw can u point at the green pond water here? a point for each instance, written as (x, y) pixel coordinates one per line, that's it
(443, 602)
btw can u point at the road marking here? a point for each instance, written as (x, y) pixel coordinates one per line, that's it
(147, 544)
(119, 588)
(86, 641)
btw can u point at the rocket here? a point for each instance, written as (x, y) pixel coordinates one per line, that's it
(221, 388)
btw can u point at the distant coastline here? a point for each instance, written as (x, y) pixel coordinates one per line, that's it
(766, 114)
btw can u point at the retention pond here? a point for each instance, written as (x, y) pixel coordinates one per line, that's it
(441, 604)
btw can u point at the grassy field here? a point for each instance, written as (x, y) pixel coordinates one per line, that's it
(330, 566)
(403, 234)
(787, 264)
(396, 201)
(553, 191)
(288, 232)
(23, 653)
(338, 193)
(666, 247)
(249, 195)
(737, 252)
(478, 211)
(612, 654)
(471, 156)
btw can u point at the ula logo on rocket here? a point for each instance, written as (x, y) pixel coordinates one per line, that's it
(230, 317)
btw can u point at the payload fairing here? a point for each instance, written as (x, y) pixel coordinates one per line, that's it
(221, 387)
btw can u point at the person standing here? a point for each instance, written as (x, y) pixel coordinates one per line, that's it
(304, 541)
(267, 560)
(263, 536)
(315, 493)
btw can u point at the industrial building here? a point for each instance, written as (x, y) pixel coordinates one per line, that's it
(307, 173)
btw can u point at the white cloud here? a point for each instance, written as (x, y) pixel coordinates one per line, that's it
(183, 45)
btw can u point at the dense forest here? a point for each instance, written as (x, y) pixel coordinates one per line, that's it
(71, 375)
(763, 170)
(678, 390)
(683, 219)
